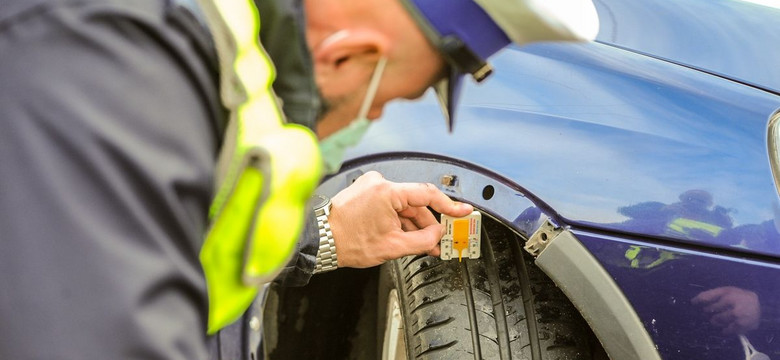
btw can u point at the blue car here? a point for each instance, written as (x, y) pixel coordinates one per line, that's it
(629, 192)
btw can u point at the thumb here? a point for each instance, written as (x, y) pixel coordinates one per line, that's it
(422, 241)
(454, 208)
(708, 296)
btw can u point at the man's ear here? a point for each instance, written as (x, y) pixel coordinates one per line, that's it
(346, 59)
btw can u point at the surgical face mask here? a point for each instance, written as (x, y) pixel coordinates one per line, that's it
(334, 146)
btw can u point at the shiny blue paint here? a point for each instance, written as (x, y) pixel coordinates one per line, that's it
(601, 135)
(661, 285)
(620, 146)
(669, 297)
(508, 203)
(736, 39)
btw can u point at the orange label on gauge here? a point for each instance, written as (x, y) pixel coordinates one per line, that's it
(460, 236)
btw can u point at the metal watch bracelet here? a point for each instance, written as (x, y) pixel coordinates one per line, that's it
(326, 254)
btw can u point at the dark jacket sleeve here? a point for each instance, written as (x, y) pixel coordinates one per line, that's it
(107, 151)
(282, 36)
(300, 268)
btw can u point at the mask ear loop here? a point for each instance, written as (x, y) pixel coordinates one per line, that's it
(373, 85)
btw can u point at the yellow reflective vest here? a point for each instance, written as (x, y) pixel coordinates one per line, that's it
(266, 173)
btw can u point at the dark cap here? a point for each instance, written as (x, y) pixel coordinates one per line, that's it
(467, 32)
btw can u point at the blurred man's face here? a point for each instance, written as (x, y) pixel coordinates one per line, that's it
(347, 38)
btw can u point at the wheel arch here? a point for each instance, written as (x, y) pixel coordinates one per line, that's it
(564, 259)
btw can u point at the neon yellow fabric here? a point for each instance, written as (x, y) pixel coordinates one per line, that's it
(684, 226)
(271, 172)
(219, 254)
(632, 254)
(651, 258)
(648, 259)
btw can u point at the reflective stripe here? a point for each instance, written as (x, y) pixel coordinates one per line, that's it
(684, 226)
(266, 173)
(226, 296)
(648, 259)
(632, 254)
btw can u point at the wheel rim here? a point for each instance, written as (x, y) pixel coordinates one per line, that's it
(394, 344)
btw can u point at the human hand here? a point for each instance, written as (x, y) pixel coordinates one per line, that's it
(735, 310)
(375, 220)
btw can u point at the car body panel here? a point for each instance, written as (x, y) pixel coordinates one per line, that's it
(658, 164)
(580, 127)
(505, 201)
(592, 290)
(736, 39)
(670, 296)
(660, 286)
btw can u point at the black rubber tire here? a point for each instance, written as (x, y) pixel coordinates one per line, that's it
(500, 306)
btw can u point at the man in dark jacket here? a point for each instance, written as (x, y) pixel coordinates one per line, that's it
(110, 115)
(112, 121)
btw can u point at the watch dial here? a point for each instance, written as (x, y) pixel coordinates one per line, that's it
(318, 201)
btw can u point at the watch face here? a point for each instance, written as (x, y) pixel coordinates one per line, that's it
(319, 201)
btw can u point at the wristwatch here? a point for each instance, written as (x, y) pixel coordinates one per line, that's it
(326, 254)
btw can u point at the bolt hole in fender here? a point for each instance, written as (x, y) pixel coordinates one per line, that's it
(478, 284)
(501, 306)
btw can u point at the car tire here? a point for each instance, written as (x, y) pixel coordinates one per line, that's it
(500, 306)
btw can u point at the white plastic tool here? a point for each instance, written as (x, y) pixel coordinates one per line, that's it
(462, 236)
(750, 352)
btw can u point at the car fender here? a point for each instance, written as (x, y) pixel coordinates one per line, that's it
(564, 259)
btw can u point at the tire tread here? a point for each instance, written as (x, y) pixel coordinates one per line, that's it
(486, 300)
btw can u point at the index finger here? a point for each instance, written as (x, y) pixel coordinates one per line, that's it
(426, 194)
(718, 306)
(708, 296)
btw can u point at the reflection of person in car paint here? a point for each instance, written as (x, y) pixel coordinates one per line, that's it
(737, 311)
(696, 216)
(764, 236)
(693, 217)
(731, 306)
(734, 310)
